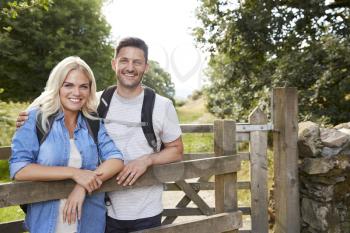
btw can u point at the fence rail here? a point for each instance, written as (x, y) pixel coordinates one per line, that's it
(12, 193)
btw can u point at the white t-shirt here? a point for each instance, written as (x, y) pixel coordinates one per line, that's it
(141, 202)
(74, 161)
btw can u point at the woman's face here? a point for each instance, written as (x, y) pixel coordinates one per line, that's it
(75, 91)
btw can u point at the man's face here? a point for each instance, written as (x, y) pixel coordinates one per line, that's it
(129, 66)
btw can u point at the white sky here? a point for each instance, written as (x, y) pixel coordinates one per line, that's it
(165, 25)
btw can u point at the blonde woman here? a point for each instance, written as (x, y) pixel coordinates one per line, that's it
(68, 151)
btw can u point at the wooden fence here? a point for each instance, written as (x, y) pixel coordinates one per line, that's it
(224, 163)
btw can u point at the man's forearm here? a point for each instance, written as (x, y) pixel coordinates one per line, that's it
(172, 152)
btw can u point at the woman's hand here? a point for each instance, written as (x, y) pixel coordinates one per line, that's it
(90, 180)
(73, 207)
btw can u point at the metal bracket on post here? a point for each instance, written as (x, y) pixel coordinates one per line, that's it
(249, 128)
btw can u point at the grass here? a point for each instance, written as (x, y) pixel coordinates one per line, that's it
(194, 111)
(8, 115)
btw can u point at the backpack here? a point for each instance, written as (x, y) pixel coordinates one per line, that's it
(92, 125)
(146, 112)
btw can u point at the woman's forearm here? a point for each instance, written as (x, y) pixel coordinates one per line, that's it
(90, 180)
(36, 172)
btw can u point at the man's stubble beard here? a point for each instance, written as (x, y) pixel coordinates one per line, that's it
(128, 86)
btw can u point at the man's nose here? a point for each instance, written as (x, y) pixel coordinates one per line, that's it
(130, 66)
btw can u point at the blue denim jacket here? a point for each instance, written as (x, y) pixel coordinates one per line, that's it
(54, 151)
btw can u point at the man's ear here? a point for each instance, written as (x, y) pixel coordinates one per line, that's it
(147, 68)
(113, 63)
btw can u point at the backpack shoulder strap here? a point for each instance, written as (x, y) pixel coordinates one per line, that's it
(93, 127)
(146, 117)
(40, 132)
(105, 100)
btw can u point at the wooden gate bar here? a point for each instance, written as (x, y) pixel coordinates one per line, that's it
(193, 195)
(226, 184)
(12, 193)
(258, 174)
(216, 223)
(185, 200)
(203, 185)
(286, 192)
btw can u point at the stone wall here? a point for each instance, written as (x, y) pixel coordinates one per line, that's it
(324, 155)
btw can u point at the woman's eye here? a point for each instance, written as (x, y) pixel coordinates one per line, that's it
(67, 84)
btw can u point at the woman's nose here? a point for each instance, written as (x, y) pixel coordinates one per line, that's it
(76, 91)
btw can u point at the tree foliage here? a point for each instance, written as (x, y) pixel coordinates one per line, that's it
(159, 80)
(257, 45)
(38, 36)
(35, 35)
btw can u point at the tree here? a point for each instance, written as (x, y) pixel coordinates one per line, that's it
(256, 45)
(38, 37)
(159, 80)
(35, 35)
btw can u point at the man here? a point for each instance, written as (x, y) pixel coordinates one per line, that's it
(138, 208)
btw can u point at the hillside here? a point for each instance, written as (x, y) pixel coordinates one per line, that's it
(194, 111)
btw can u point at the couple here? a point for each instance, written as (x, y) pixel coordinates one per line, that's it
(70, 152)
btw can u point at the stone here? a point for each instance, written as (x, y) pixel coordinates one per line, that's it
(309, 143)
(343, 126)
(325, 179)
(328, 152)
(344, 130)
(334, 138)
(314, 166)
(314, 214)
(321, 193)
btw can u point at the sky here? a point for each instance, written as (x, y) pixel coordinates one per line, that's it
(165, 25)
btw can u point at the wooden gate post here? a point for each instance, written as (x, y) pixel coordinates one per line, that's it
(258, 173)
(226, 184)
(286, 193)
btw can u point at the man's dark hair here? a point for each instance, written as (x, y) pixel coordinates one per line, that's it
(132, 42)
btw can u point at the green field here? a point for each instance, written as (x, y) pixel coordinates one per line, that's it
(8, 114)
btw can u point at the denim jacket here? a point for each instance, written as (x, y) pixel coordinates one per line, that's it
(54, 151)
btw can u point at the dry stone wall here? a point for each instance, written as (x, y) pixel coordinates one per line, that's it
(324, 155)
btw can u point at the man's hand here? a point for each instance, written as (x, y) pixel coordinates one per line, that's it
(133, 170)
(22, 117)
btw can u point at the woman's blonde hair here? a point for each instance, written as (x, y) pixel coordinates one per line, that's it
(49, 101)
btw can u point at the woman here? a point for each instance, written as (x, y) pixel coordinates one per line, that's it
(68, 152)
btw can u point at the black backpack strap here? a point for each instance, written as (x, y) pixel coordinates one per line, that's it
(40, 132)
(146, 117)
(146, 112)
(93, 126)
(105, 101)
